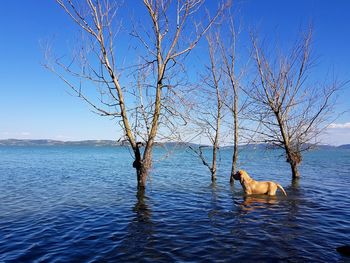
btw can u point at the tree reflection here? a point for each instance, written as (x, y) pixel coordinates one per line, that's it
(139, 234)
(214, 193)
(214, 196)
(141, 209)
(295, 184)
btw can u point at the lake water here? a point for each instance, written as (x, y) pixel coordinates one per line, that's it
(80, 204)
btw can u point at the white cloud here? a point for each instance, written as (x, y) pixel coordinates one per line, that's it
(345, 125)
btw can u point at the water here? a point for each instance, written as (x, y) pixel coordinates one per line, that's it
(80, 204)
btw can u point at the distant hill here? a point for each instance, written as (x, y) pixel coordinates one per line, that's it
(344, 146)
(94, 143)
(105, 143)
(15, 142)
(252, 146)
(265, 146)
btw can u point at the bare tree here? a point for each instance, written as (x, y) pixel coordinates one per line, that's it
(98, 62)
(290, 110)
(228, 53)
(209, 112)
(222, 81)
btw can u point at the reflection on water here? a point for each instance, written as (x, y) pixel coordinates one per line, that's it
(251, 203)
(139, 232)
(69, 205)
(141, 209)
(140, 227)
(295, 184)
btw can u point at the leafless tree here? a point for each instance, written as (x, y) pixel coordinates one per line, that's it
(209, 112)
(98, 62)
(222, 82)
(290, 109)
(228, 54)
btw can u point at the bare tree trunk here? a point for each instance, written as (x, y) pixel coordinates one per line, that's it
(218, 124)
(213, 166)
(138, 165)
(147, 155)
(235, 142)
(291, 155)
(228, 54)
(234, 157)
(215, 148)
(144, 171)
(293, 158)
(213, 169)
(142, 166)
(295, 171)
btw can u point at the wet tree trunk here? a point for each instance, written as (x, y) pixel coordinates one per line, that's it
(235, 143)
(213, 167)
(234, 163)
(295, 171)
(142, 165)
(293, 158)
(142, 177)
(145, 168)
(137, 164)
(142, 171)
(216, 140)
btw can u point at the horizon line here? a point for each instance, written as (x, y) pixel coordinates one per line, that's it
(111, 140)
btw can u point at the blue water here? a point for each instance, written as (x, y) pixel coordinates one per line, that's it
(80, 204)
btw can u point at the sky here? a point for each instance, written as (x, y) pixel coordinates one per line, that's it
(35, 104)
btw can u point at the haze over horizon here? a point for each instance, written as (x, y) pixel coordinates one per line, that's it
(34, 103)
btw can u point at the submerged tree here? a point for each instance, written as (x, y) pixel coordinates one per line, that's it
(146, 107)
(290, 110)
(221, 90)
(209, 112)
(228, 54)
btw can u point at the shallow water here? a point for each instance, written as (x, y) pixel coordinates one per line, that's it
(80, 204)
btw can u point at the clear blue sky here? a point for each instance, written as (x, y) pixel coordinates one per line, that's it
(34, 103)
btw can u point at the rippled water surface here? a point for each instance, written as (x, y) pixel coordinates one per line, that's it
(80, 204)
